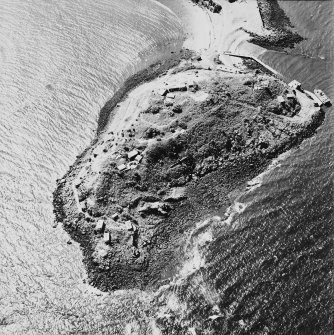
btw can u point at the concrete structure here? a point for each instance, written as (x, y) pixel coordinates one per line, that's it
(132, 154)
(193, 84)
(139, 158)
(121, 167)
(295, 85)
(128, 225)
(99, 228)
(322, 97)
(291, 96)
(170, 95)
(106, 237)
(162, 91)
(115, 216)
(176, 88)
(169, 102)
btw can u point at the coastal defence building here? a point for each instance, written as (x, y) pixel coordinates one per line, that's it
(176, 88)
(295, 85)
(281, 100)
(99, 228)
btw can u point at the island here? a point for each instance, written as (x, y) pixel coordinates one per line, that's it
(173, 146)
(173, 150)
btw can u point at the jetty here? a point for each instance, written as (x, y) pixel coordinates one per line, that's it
(254, 59)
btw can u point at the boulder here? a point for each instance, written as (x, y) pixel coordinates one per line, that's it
(176, 194)
(159, 208)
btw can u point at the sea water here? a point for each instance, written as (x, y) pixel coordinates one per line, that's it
(60, 61)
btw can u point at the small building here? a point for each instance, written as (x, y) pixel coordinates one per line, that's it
(106, 237)
(169, 102)
(193, 85)
(162, 91)
(128, 225)
(176, 88)
(121, 167)
(132, 154)
(295, 85)
(133, 165)
(99, 228)
(280, 99)
(170, 95)
(139, 158)
(115, 216)
(291, 96)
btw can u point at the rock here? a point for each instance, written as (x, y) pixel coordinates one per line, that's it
(115, 217)
(69, 242)
(176, 194)
(150, 198)
(154, 208)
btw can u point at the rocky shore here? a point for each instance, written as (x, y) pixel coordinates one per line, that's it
(171, 154)
(278, 25)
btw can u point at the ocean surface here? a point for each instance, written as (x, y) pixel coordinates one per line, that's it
(60, 61)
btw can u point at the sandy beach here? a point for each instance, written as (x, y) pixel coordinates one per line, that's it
(211, 33)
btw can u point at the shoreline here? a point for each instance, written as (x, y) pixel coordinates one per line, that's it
(96, 276)
(233, 174)
(145, 75)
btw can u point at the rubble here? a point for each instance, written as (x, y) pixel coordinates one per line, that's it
(154, 208)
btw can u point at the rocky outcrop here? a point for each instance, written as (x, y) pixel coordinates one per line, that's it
(130, 213)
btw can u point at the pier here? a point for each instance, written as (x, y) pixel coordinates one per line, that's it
(254, 59)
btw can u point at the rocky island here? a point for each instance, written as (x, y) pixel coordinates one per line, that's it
(171, 154)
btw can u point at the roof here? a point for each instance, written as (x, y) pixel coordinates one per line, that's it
(174, 88)
(294, 84)
(162, 91)
(176, 194)
(132, 154)
(171, 95)
(106, 237)
(121, 167)
(280, 99)
(100, 225)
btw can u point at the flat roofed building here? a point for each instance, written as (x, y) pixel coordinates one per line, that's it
(99, 228)
(176, 88)
(121, 167)
(106, 237)
(294, 84)
(132, 154)
(291, 96)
